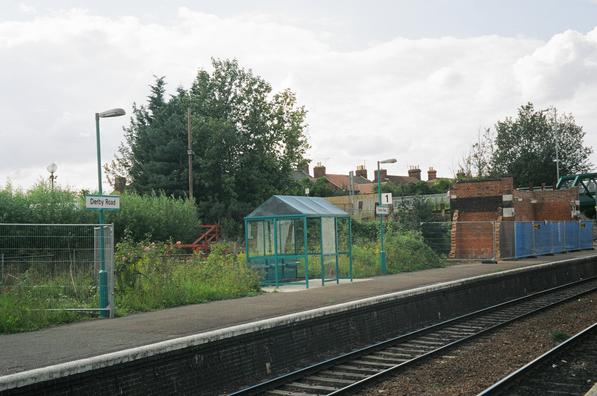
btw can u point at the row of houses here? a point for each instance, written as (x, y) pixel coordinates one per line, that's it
(358, 182)
(357, 194)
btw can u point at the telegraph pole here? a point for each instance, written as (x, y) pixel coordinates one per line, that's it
(190, 152)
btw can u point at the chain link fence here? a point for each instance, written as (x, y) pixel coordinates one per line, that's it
(56, 266)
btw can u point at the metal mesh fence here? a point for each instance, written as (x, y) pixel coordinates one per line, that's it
(55, 266)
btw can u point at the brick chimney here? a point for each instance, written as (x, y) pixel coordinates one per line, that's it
(361, 171)
(318, 171)
(431, 174)
(415, 172)
(304, 167)
(384, 175)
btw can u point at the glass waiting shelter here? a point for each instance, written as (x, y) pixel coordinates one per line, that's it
(292, 239)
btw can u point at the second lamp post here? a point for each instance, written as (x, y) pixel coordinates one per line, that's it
(382, 253)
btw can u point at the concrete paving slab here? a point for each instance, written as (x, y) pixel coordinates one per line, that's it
(25, 351)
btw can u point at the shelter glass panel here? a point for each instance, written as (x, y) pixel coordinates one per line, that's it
(291, 236)
(260, 236)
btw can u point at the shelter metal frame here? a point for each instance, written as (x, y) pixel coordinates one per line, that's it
(272, 255)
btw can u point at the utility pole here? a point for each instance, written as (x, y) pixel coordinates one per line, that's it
(190, 152)
(557, 160)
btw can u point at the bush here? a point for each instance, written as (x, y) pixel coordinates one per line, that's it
(151, 276)
(156, 216)
(365, 260)
(364, 231)
(406, 251)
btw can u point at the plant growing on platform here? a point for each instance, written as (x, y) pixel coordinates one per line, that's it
(153, 276)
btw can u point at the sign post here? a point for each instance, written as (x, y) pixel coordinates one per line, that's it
(102, 202)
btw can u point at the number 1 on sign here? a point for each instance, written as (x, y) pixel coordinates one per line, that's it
(386, 198)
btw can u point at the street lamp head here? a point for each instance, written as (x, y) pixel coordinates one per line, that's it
(52, 168)
(112, 113)
(389, 161)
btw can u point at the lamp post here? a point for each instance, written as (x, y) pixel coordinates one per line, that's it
(52, 168)
(382, 253)
(103, 275)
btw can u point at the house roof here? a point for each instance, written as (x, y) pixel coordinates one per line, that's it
(299, 175)
(343, 181)
(280, 205)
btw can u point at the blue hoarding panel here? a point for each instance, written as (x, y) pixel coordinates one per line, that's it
(541, 238)
(523, 239)
(586, 234)
(572, 234)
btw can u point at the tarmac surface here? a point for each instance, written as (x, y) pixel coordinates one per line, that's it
(25, 351)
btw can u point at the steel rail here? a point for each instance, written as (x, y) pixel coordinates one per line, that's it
(456, 330)
(567, 350)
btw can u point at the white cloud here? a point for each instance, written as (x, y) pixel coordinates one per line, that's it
(27, 9)
(421, 101)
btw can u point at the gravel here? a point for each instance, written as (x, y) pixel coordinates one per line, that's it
(475, 366)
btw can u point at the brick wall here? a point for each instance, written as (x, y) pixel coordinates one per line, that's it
(482, 188)
(483, 201)
(479, 206)
(544, 205)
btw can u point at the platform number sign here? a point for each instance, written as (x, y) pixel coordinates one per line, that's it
(386, 202)
(386, 198)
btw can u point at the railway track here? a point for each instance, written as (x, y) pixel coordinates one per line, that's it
(351, 371)
(568, 369)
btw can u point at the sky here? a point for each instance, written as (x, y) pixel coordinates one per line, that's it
(410, 80)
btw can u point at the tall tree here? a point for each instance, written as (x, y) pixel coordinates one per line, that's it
(246, 141)
(477, 162)
(525, 147)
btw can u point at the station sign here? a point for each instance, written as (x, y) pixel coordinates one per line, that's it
(382, 210)
(386, 198)
(106, 202)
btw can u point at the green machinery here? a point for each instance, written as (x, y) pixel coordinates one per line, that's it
(587, 192)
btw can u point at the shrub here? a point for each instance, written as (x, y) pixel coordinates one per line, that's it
(156, 217)
(365, 260)
(151, 276)
(406, 251)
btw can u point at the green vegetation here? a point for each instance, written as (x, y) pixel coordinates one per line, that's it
(154, 216)
(246, 141)
(438, 186)
(559, 336)
(149, 276)
(23, 303)
(525, 148)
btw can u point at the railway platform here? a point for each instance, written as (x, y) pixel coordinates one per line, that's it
(221, 346)
(31, 350)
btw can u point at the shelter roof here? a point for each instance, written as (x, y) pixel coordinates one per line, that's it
(281, 205)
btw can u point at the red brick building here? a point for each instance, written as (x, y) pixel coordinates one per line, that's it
(481, 210)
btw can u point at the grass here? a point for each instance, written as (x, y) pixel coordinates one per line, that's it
(24, 305)
(150, 276)
(559, 336)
